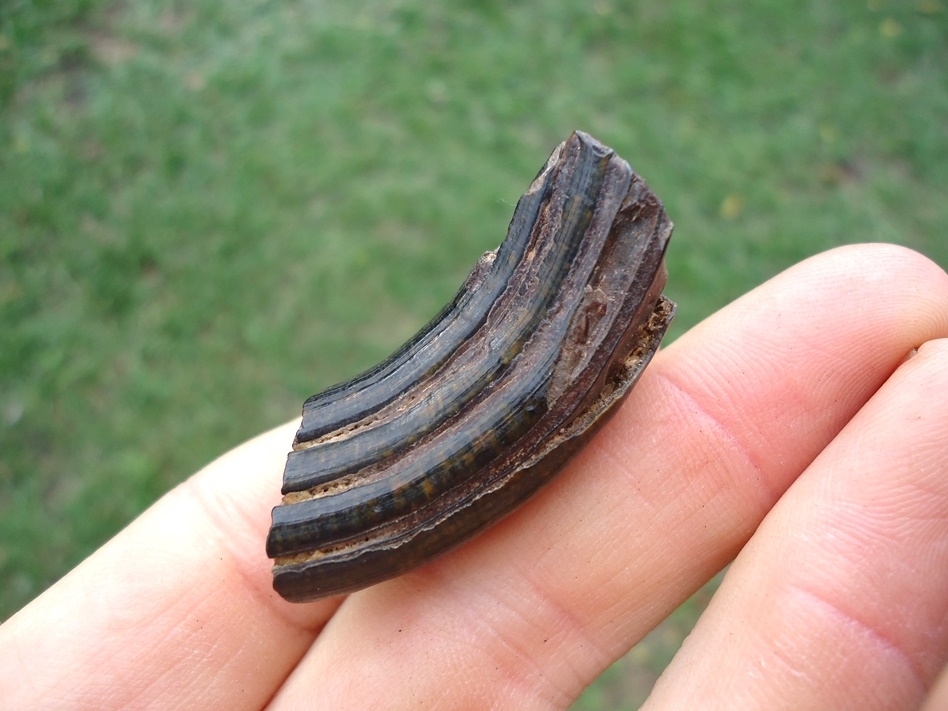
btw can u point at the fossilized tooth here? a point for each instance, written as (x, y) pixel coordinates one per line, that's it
(487, 402)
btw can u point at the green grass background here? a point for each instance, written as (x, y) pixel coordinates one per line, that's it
(210, 210)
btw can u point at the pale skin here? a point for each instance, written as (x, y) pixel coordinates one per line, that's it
(802, 432)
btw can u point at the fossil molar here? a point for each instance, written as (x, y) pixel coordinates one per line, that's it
(486, 403)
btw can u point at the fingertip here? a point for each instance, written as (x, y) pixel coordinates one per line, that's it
(911, 283)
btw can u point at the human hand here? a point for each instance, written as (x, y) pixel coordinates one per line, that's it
(790, 430)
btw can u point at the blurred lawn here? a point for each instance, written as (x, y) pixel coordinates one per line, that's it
(209, 211)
